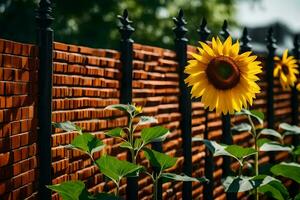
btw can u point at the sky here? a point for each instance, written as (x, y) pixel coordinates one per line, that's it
(263, 12)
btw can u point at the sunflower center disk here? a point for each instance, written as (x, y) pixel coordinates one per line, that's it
(285, 69)
(223, 73)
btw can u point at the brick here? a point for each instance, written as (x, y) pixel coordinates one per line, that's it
(15, 141)
(17, 50)
(2, 43)
(2, 102)
(15, 127)
(60, 46)
(2, 88)
(5, 159)
(8, 74)
(7, 61)
(8, 47)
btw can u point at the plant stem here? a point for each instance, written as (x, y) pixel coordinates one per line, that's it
(117, 189)
(155, 185)
(253, 130)
(131, 140)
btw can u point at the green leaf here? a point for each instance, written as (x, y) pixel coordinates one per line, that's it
(274, 146)
(235, 151)
(154, 134)
(174, 177)
(244, 183)
(259, 116)
(297, 197)
(116, 132)
(122, 107)
(87, 143)
(71, 190)
(160, 160)
(290, 129)
(296, 151)
(262, 141)
(241, 127)
(130, 109)
(240, 152)
(126, 145)
(67, 126)
(105, 196)
(288, 170)
(147, 120)
(116, 169)
(138, 143)
(270, 132)
(275, 189)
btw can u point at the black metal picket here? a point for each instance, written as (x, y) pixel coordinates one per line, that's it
(294, 97)
(185, 105)
(126, 49)
(45, 43)
(271, 46)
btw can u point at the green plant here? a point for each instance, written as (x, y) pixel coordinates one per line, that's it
(114, 168)
(265, 140)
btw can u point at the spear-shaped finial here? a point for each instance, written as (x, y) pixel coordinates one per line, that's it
(271, 41)
(125, 28)
(203, 31)
(224, 31)
(180, 30)
(245, 39)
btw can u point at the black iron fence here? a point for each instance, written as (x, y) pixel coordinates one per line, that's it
(45, 42)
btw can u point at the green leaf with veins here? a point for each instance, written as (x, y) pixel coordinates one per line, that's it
(116, 169)
(290, 129)
(244, 183)
(138, 143)
(126, 145)
(87, 143)
(241, 127)
(154, 134)
(274, 189)
(262, 141)
(122, 107)
(288, 170)
(160, 160)
(240, 152)
(259, 116)
(235, 151)
(270, 132)
(274, 146)
(166, 177)
(147, 120)
(67, 126)
(116, 132)
(71, 190)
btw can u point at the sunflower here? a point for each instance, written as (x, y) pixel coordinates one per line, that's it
(286, 70)
(224, 79)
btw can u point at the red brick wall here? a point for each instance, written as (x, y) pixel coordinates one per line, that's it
(85, 81)
(18, 121)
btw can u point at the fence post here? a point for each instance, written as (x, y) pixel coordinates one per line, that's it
(271, 46)
(185, 105)
(126, 49)
(245, 39)
(204, 32)
(45, 43)
(226, 126)
(294, 97)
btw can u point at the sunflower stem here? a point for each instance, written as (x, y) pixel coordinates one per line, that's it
(253, 131)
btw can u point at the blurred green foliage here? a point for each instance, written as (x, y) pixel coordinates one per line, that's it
(94, 22)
